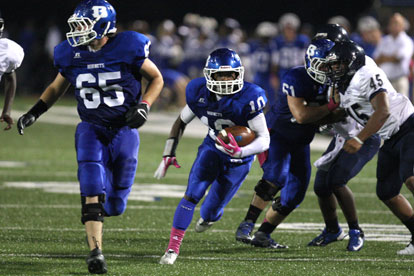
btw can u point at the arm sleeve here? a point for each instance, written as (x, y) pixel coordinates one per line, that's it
(14, 58)
(187, 115)
(262, 141)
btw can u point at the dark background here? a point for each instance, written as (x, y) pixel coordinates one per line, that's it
(28, 21)
(248, 13)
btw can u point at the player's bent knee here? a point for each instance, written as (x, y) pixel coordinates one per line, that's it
(278, 207)
(93, 211)
(190, 199)
(322, 191)
(386, 194)
(410, 183)
(115, 207)
(266, 190)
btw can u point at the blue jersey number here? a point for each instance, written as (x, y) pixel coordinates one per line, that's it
(94, 100)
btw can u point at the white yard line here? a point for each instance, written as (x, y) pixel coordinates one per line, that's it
(140, 191)
(169, 207)
(243, 259)
(373, 232)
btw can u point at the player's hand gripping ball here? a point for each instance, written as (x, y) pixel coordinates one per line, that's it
(243, 135)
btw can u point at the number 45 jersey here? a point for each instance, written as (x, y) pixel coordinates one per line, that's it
(107, 82)
(367, 82)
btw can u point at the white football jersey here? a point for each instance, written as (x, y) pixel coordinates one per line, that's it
(348, 128)
(367, 81)
(11, 56)
(343, 131)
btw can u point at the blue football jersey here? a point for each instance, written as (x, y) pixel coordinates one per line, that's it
(290, 53)
(107, 82)
(296, 83)
(231, 110)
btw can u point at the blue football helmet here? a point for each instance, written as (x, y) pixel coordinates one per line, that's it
(224, 60)
(315, 59)
(92, 19)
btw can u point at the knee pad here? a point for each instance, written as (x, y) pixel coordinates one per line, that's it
(93, 211)
(265, 190)
(283, 210)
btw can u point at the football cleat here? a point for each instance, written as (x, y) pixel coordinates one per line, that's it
(169, 257)
(356, 240)
(202, 225)
(243, 232)
(261, 239)
(96, 262)
(408, 250)
(326, 238)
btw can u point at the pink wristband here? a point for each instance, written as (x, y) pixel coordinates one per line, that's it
(332, 106)
(146, 103)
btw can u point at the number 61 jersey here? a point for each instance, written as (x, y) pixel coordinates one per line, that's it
(365, 84)
(107, 82)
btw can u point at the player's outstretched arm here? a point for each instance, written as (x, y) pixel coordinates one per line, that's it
(51, 94)
(177, 130)
(138, 114)
(308, 114)
(10, 90)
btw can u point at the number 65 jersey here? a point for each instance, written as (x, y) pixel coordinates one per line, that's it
(367, 82)
(107, 82)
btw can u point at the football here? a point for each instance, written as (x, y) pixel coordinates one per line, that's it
(242, 134)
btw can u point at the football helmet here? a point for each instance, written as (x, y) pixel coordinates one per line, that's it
(92, 19)
(343, 60)
(224, 60)
(333, 32)
(315, 59)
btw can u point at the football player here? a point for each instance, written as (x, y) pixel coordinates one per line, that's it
(11, 56)
(261, 50)
(333, 172)
(106, 69)
(336, 167)
(221, 99)
(369, 98)
(300, 104)
(290, 45)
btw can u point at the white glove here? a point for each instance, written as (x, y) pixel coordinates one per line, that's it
(163, 167)
(168, 158)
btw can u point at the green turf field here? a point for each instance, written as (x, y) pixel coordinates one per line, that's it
(41, 232)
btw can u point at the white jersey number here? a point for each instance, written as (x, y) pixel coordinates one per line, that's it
(94, 99)
(219, 124)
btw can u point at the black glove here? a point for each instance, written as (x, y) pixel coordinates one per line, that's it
(31, 116)
(24, 121)
(137, 115)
